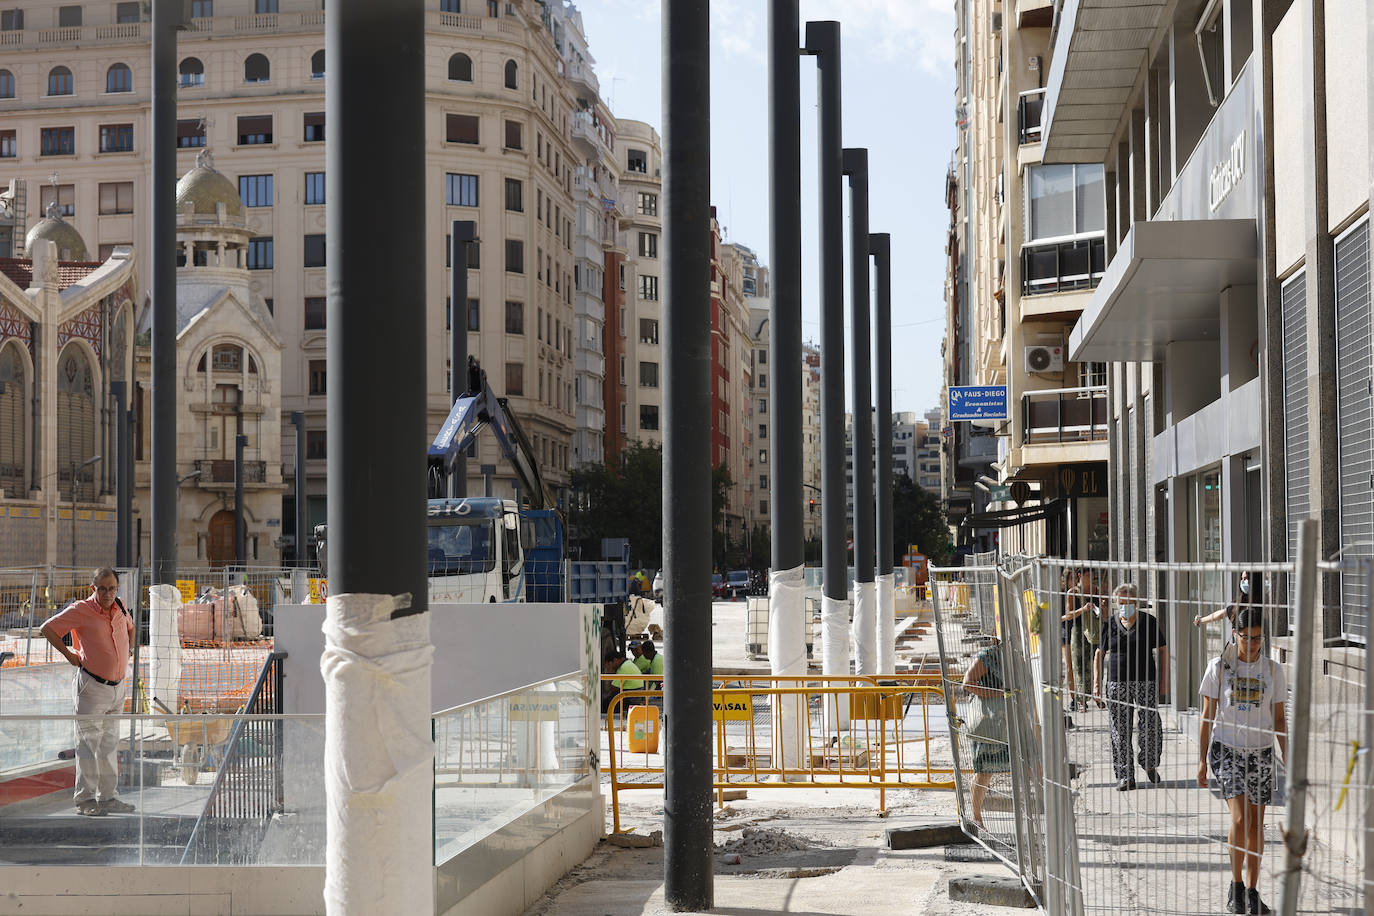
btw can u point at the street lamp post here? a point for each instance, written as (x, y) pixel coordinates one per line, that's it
(76, 470)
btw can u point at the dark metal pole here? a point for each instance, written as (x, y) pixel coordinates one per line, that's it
(240, 530)
(377, 489)
(688, 883)
(167, 18)
(462, 232)
(119, 390)
(823, 40)
(298, 421)
(880, 246)
(784, 324)
(856, 167)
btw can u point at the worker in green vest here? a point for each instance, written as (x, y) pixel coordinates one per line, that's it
(650, 662)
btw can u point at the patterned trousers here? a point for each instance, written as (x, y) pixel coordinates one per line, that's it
(1142, 698)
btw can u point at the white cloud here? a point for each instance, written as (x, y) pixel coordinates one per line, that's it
(918, 32)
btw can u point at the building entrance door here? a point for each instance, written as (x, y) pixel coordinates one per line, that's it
(221, 540)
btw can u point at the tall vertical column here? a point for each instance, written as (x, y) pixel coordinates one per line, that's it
(302, 557)
(688, 883)
(123, 482)
(855, 163)
(462, 232)
(880, 247)
(786, 587)
(167, 18)
(240, 531)
(823, 41)
(377, 656)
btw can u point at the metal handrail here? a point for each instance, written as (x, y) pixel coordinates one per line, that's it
(271, 674)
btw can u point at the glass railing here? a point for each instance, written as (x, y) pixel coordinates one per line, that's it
(234, 789)
(1029, 108)
(500, 758)
(1055, 267)
(1064, 415)
(184, 812)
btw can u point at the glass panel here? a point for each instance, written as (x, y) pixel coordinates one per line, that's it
(499, 759)
(1090, 204)
(1051, 201)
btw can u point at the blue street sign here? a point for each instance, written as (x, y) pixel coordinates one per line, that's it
(978, 402)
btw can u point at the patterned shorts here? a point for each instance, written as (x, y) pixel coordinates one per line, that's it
(1240, 771)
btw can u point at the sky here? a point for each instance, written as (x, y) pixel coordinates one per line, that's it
(898, 85)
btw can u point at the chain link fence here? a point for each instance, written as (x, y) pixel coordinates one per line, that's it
(1114, 803)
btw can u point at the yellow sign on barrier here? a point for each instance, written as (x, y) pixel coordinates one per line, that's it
(529, 708)
(733, 707)
(319, 590)
(187, 587)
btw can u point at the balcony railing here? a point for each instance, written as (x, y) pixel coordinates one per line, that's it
(1059, 266)
(1064, 415)
(1029, 108)
(216, 470)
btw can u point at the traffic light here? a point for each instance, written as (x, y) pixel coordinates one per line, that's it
(811, 506)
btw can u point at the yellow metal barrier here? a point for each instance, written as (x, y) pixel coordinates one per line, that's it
(853, 733)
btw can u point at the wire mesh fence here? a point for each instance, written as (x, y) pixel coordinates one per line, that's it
(1204, 748)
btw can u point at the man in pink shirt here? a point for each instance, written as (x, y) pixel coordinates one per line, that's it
(101, 634)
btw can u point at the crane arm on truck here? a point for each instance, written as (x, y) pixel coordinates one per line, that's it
(480, 408)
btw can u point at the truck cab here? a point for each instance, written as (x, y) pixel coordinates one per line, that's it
(475, 554)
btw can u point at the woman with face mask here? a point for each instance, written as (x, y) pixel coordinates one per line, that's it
(1136, 658)
(1248, 597)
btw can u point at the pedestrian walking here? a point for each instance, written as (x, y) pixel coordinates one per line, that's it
(1133, 651)
(1080, 625)
(101, 631)
(1246, 599)
(987, 725)
(1243, 693)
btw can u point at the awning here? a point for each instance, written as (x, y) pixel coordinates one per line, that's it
(1099, 50)
(1162, 286)
(1008, 518)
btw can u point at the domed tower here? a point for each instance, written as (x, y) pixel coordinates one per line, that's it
(211, 229)
(53, 228)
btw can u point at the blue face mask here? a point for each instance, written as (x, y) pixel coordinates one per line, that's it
(1127, 611)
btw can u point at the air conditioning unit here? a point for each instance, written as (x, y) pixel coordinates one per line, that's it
(1044, 359)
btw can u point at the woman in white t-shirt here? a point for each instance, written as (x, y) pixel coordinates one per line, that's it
(1243, 694)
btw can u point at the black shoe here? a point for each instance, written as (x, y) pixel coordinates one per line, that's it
(1236, 901)
(1152, 774)
(1125, 785)
(1254, 903)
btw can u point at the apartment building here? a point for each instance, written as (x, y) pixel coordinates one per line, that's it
(811, 439)
(1036, 234)
(1234, 312)
(597, 245)
(734, 445)
(927, 452)
(639, 154)
(500, 125)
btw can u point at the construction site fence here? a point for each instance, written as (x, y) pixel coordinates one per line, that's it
(1094, 821)
(851, 732)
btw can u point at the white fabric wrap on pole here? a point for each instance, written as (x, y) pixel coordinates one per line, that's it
(164, 646)
(536, 741)
(865, 628)
(378, 757)
(787, 657)
(887, 624)
(835, 652)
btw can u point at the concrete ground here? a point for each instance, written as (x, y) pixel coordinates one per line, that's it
(795, 850)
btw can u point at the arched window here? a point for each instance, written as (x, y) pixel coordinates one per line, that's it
(119, 78)
(317, 65)
(6, 84)
(13, 443)
(192, 72)
(59, 81)
(460, 68)
(256, 69)
(75, 423)
(512, 75)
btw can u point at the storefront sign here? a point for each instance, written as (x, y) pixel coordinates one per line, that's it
(978, 402)
(1218, 180)
(1227, 173)
(1083, 480)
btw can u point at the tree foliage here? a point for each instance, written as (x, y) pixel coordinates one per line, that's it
(620, 499)
(917, 518)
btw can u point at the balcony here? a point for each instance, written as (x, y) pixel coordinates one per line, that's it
(1029, 107)
(587, 129)
(1056, 267)
(216, 471)
(581, 73)
(1059, 415)
(585, 183)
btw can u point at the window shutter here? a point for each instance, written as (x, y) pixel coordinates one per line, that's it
(1297, 503)
(1355, 419)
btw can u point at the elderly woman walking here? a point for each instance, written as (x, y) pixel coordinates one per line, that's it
(1133, 650)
